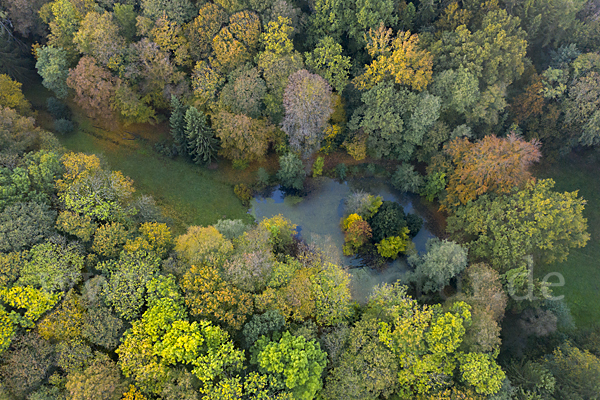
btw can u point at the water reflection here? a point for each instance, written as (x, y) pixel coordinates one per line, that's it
(318, 218)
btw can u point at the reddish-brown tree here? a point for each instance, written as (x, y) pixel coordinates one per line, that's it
(530, 103)
(94, 88)
(490, 165)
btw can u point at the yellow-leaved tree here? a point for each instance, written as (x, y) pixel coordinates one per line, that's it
(400, 58)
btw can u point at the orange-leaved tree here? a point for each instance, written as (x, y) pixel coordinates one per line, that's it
(490, 165)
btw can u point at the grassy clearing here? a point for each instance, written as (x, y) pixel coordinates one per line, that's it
(188, 194)
(582, 268)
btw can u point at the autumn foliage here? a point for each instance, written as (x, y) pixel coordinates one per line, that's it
(399, 58)
(492, 164)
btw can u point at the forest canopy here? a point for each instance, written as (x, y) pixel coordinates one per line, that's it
(454, 101)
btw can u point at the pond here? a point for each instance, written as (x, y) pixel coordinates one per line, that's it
(318, 218)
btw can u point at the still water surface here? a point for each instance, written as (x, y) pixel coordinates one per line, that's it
(318, 215)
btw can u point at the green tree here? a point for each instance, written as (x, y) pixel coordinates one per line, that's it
(533, 221)
(262, 325)
(206, 347)
(77, 225)
(327, 60)
(407, 179)
(125, 17)
(277, 38)
(582, 112)
(327, 19)
(495, 53)
(293, 363)
(53, 267)
(231, 228)
(129, 105)
(127, 280)
(33, 180)
(244, 92)
(180, 11)
(395, 120)
(25, 224)
(443, 261)
(109, 240)
(388, 221)
(87, 188)
(64, 17)
(458, 90)
(481, 372)
(177, 122)
(366, 369)
(331, 290)
(102, 327)
(426, 342)
(35, 302)
(276, 64)
(291, 172)
(576, 372)
(200, 139)
(391, 246)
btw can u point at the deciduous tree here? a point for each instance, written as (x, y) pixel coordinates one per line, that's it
(24, 224)
(77, 225)
(394, 121)
(243, 138)
(495, 53)
(367, 369)
(201, 31)
(200, 245)
(89, 189)
(491, 165)
(127, 280)
(400, 59)
(293, 363)
(98, 37)
(308, 105)
(534, 220)
(244, 92)
(94, 88)
(11, 95)
(331, 290)
(291, 172)
(327, 60)
(101, 380)
(53, 267)
(207, 295)
(180, 11)
(443, 261)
